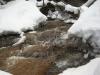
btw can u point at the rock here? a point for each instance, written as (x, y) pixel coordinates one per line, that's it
(8, 38)
(31, 38)
(46, 8)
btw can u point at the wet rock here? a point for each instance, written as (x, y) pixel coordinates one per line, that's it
(8, 38)
(78, 44)
(31, 38)
(46, 8)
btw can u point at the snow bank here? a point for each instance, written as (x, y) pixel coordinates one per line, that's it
(20, 14)
(88, 25)
(4, 73)
(92, 68)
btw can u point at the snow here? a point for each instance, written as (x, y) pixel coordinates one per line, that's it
(4, 73)
(40, 3)
(58, 15)
(83, 8)
(75, 10)
(70, 21)
(52, 2)
(71, 8)
(20, 14)
(88, 25)
(21, 40)
(92, 68)
(61, 3)
(52, 14)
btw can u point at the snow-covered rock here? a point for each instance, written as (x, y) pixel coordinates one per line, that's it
(20, 14)
(92, 68)
(71, 8)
